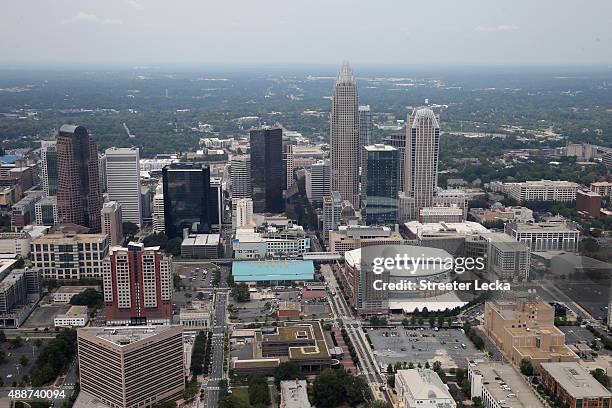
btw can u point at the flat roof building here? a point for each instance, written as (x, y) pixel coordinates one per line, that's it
(132, 366)
(524, 328)
(294, 394)
(422, 388)
(201, 246)
(272, 271)
(76, 316)
(573, 385)
(555, 234)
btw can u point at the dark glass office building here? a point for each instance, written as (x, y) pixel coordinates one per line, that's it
(267, 170)
(187, 198)
(381, 177)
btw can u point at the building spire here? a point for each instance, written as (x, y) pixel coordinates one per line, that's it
(346, 73)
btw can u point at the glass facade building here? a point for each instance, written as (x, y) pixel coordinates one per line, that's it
(381, 184)
(187, 198)
(267, 170)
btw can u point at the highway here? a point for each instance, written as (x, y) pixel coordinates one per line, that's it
(343, 317)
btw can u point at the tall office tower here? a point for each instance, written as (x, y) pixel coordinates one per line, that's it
(344, 137)
(187, 198)
(112, 222)
(126, 367)
(380, 175)
(421, 157)
(137, 285)
(398, 140)
(317, 181)
(48, 167)
(102, 169)
(289, 165)
(79, 199)
(365, 127)
(217, 203)
(240, 169)
(158, 210)
(123, 181)
(332, 213)
(267, 170)
(242, 211)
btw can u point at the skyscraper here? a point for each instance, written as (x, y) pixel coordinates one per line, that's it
(112, 222)
(380, 184)
(137, 285)
(187, 198)
(123, 181)
(267, 169)
(365, 127)
(344, 137)
(240, 169)
(289, 165)
(159, 223)
(317, 181)
(398, 140)
(332, 213)
(79, 200)
(421, 157)
(48, 167)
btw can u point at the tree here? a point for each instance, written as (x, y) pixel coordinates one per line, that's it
(240, 293)
(378, 404)
(23, 360)
(287, 371)
(17, 342)
(258, 391)
(2, 336)
(174, 246)
(129, 229)
(89, 297)
(477, 402)
(601, 376)
(328, 390)
(526, 367)
(357, 390)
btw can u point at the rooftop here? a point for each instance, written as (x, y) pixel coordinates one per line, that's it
(294, 394)
(202, 240)
(59, 239)
(509, 375)
(124, 335)
(424, 384)
(250, 271)
(576, 380)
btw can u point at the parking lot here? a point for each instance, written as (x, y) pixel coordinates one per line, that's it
(11, 370)
(591, 296)
(449, 346)
(44, 315)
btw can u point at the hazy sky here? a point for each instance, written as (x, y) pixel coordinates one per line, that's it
(374, 32)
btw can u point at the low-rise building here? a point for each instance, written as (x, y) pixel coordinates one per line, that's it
(554, 234)
(588, 204)
(349, 237)
(65, 293)
(15, 243)
(294, 394)
(501, 385)
(422, 388)
(197, 316)
(303, 343)
(201, 246)
(76, 316)
(270, 242)
(574, 386)
(542, 190)
(289, 309)
(501, 213)
(449, 236)
(441, 214)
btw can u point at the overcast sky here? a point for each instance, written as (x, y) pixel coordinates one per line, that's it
(373, 32)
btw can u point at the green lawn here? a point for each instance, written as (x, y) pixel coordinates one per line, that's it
(243, 394)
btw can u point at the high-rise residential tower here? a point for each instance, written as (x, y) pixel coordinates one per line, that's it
(421, 157)
(267, 169)
(187, 198)
(344, 137)
(123, 181)
(240, 169)
(380, 184)
(79, 200)
(137, 285)
(48, 167)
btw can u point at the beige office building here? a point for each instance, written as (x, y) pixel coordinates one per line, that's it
(344, 137)
(112, 222)
(421, 157)
(524, 328)
(131, 366)
(349, 237)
